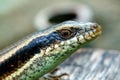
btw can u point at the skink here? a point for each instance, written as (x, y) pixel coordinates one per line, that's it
(41, 52)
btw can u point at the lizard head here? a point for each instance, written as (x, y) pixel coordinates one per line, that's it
(71, 33)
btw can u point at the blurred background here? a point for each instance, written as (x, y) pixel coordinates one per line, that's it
(17, 20)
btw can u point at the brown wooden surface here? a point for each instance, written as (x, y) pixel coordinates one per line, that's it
(92, 64)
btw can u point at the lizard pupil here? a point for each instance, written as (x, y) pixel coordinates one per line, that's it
(65, 33)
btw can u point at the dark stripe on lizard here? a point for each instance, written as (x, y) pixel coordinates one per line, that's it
(22, 55)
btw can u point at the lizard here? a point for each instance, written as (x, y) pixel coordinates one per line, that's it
(41, 52)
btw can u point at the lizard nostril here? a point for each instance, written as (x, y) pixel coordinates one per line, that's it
(97, 29)
(95, 26)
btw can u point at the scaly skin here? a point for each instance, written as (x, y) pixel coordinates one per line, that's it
(60, 48)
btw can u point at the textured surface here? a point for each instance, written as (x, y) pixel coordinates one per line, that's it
(93, 64)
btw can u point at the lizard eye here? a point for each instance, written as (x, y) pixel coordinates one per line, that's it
(65, 33)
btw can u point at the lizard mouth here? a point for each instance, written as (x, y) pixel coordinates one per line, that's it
(90, 34)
